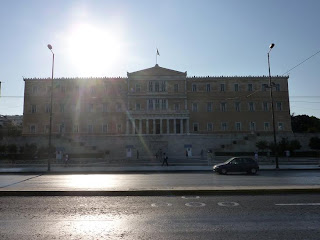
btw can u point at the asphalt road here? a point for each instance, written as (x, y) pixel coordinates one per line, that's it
(171, 217)
(156, 181)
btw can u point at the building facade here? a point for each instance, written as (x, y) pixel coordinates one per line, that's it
(155, 103)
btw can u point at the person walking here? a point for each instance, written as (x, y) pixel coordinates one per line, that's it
(165, 159)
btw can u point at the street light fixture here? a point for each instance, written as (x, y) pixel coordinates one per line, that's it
(50, 122)
(272, 109)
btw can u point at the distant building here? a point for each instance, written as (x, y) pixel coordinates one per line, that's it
(156, 103)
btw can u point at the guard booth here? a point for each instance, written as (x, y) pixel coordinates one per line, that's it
(129, 150)
(188, 148)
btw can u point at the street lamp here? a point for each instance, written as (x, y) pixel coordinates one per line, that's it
(50, 122)
(272, 109)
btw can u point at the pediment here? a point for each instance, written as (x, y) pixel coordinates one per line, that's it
(157, 71)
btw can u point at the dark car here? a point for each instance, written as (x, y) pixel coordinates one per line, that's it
(237, 164)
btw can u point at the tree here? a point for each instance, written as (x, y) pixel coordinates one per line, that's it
(305, 124)
(314, 143)
(12, 148)
(294, 145)
(262, 145)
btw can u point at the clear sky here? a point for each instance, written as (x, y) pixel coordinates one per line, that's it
(205, 38)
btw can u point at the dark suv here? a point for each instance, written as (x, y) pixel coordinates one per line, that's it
(237, 164)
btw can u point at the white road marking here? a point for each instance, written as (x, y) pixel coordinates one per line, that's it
(228, 204)
(297, 204)
(190, 197)
(161, 204)
(195, 204)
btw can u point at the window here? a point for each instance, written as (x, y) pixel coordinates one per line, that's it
(119, 128)
(157, 104)
(61, 107)
(118, 107)
(150, 104)
(223, 107)
(266, 126)
(208, 87)
(236, 87)
(90, 128)
(250, 87)
(209, 107)
(157, 87)
(195, 127)
(150, 86)
(75, 128)
(163, 86)
(138, 88)
(104, 128)
(194, 107)
(265, 106)
(252, 126)
(90, 107)
(222, 87)
(61, 128)
(176, 87)
(277, 87)
(47, 109)
(237, 106)
(194, 87)
(34, 89)
(138, 107)
(63, 89)
(279, 106)
(210, 127)
(32, 128)
(238, 126)
(264, 87)
(163, 104)
(176, 106)
(224, 126)
(33, 108)
(46, 128)
(104, 107)
(251, 107)
(280, 126)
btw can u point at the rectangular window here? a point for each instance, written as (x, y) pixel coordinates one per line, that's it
(75, 128)
(150, 104)
(119, 128)
(266, 126)
(194, 87)
(195, 127)
(194, 107)
(208, 87)
(32, 128)
(251, 107)
(62, 108)
(90, 128)
(277, 87)
(224, 126)
(237, 106)
(163, 86)
(265, 106)
(222, 87)
(252, 126)
(118, 107)
(34, 89)
(250, 87)
(157, 88)
(150, 86)
(238, 126)
(264, 87)
(138, 107)
(47, 108)
(209, 107)
(223, 107)
(33, 108)
(90, 107)
(279, 106)
(210, 127)
(46, 128)
(236, 87)
(163, 104)
(280, 126)
(157, 104)
(105, 128)
(138, 88)
(176, 87)
(61, 128)
(104, 107)
(176, 106)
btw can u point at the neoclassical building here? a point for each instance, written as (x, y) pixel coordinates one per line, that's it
(157, 105)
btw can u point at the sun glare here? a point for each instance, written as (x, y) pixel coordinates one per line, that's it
(93, 49)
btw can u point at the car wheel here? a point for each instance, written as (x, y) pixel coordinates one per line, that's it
(224, 171)
(253, 171)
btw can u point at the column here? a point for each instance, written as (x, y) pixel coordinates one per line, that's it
(140, 126)
(154, 126)
(133, 126)
(174, 126)
(160, 126)
(181, 126)
(187, 126)
(168, 129)
(147, 126)
(127, 127)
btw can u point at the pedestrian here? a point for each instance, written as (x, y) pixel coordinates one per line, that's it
(256, 156)
(66, 159)
(186, 153)
(165, 159)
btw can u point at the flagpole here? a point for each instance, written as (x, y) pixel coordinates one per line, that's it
(157, 57)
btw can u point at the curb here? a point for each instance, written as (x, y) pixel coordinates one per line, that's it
(160, 192)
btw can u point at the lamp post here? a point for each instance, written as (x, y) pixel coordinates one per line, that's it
(50, 121)
(272, 109)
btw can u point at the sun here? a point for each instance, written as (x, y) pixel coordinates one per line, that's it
(92, 49)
